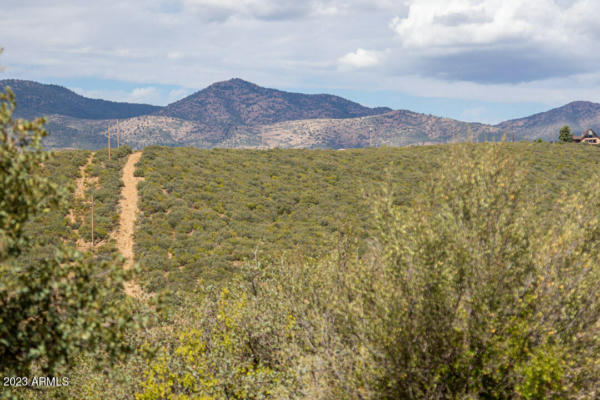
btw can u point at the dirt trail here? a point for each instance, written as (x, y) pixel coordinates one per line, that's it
(80, 182)
(80, 186)
(79, 194)
(129, 209)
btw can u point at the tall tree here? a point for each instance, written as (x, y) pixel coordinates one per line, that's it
(565, 135)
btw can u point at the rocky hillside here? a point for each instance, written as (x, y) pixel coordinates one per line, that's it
(394, 128)
(237, 102)
(235, 113)
(225, 109)
(36, 99)
(579, 115)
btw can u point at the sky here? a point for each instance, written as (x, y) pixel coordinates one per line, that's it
(474, 60)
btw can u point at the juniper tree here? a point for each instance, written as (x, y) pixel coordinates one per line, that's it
(61, 304)
(565, 135)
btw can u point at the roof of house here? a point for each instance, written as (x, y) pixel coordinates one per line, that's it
(588, 133)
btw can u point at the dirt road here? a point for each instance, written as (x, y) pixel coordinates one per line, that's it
(79, 194)
(129, 209)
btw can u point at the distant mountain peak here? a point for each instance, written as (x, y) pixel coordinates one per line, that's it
(238, 102)
(234, 112)
(237, 82)
(241, 82)
(577, 103)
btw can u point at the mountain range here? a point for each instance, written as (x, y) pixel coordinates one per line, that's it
(237, 113)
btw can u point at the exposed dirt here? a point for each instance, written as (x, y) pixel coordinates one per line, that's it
(71, 216)
(80, 182)
(79, 194)
(129, 209)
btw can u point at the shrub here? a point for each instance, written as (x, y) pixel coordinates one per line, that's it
(466, 292)
(55, 303)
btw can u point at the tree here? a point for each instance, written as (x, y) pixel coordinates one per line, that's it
(565, 135)
(61, 305)
(476, 296)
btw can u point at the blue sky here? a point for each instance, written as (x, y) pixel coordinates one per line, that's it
(474, 60)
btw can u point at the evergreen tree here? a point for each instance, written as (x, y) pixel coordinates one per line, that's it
(565, 135)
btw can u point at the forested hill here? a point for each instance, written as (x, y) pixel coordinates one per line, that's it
(37, 99)
(237, 102)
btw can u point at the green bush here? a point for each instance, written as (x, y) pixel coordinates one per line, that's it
(55, 303)
(474, 295)
(467, 291)
(235, 201)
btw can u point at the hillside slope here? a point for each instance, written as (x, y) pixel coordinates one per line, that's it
(394, 128)
(237, 102)
(579, 115)
(205, 212)
(223, 219)
(37, 99)
(235, 113)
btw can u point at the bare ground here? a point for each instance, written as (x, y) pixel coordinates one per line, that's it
(129, 210)
(79, 194)
(80, 182)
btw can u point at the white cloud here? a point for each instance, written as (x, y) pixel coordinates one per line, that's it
(455, 24)
(146, 95)
(495, 50)
(361, 58)
(177, 94)
(499, 41)
(262, 9)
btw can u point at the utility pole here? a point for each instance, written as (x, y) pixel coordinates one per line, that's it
(108, 130)
(92, 221)
(263, 138)
(118, 133)
(370, 137)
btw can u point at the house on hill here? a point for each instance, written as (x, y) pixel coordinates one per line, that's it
(588, 137)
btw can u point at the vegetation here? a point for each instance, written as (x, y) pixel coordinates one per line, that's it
(460, 271)
(56, 304)
(565, 135)
(466, 292)
(204, 213)
(62, 169)
(105, 186)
